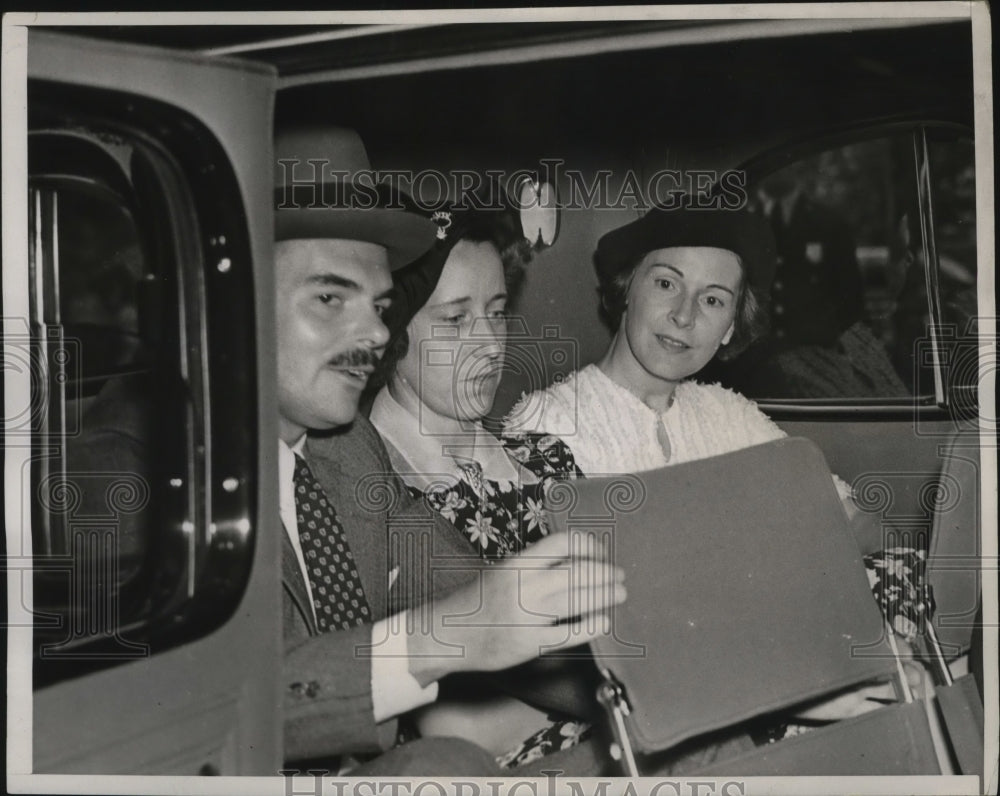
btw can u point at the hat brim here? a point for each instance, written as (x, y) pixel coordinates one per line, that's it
(405, 235)
(739, 231)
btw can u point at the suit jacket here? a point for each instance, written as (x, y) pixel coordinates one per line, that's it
(327, 695)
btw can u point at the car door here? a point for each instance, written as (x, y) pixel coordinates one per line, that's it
(147, 636)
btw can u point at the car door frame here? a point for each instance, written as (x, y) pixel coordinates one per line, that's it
(209, 705)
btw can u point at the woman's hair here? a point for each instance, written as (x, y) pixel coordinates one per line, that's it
(751, 321)
(501, 229)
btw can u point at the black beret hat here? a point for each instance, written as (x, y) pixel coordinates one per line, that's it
(744, 233)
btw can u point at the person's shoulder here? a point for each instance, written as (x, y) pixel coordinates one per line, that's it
(715, 395)
(731, 411)
(547, 410)
(355, 445)
(713, 390)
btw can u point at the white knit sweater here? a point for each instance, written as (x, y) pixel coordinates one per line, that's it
(610, 430)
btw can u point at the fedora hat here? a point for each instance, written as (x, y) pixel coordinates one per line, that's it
(325, 188)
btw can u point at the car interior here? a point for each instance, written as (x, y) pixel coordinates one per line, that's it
(149, 235)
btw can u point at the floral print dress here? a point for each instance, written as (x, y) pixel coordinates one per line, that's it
(898, 579)
(546, 455)
(498, 517)
(501, 518)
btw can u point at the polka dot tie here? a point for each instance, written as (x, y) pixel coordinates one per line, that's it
(337, 594)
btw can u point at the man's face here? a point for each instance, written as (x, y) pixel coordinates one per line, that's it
(331, 294)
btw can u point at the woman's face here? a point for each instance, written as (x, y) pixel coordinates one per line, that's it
(681, 308)
(458, 338)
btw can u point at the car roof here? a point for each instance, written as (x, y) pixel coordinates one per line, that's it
(538, 88)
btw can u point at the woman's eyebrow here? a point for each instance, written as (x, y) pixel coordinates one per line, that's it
(452, 302)
(669, 267)
(467, 300)
(680, 273)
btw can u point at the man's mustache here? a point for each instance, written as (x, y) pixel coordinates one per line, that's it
(358, 357)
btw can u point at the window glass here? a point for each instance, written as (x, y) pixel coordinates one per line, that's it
(100, 270)
(953, 181)
(136, 547)
(842, 325)
(104, 438)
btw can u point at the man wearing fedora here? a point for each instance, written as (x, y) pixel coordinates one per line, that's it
(366, 636)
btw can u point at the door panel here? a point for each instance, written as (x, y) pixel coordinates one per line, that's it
(209, 705)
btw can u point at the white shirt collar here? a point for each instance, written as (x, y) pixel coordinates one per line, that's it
(296, 447)
(425, 459)
(286, 478)
(286, 502)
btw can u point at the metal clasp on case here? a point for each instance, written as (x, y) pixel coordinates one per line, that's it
(611, 695)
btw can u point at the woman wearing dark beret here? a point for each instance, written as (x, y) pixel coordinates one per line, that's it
(679, 287)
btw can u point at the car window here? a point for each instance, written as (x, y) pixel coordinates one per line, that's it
(136, 546)
(97, 482)
(953, 180)
(849, 312)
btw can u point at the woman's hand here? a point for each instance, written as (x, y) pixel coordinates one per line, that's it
(859, 701)
(850, 704)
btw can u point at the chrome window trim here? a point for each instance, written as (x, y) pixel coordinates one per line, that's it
(922, 162)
